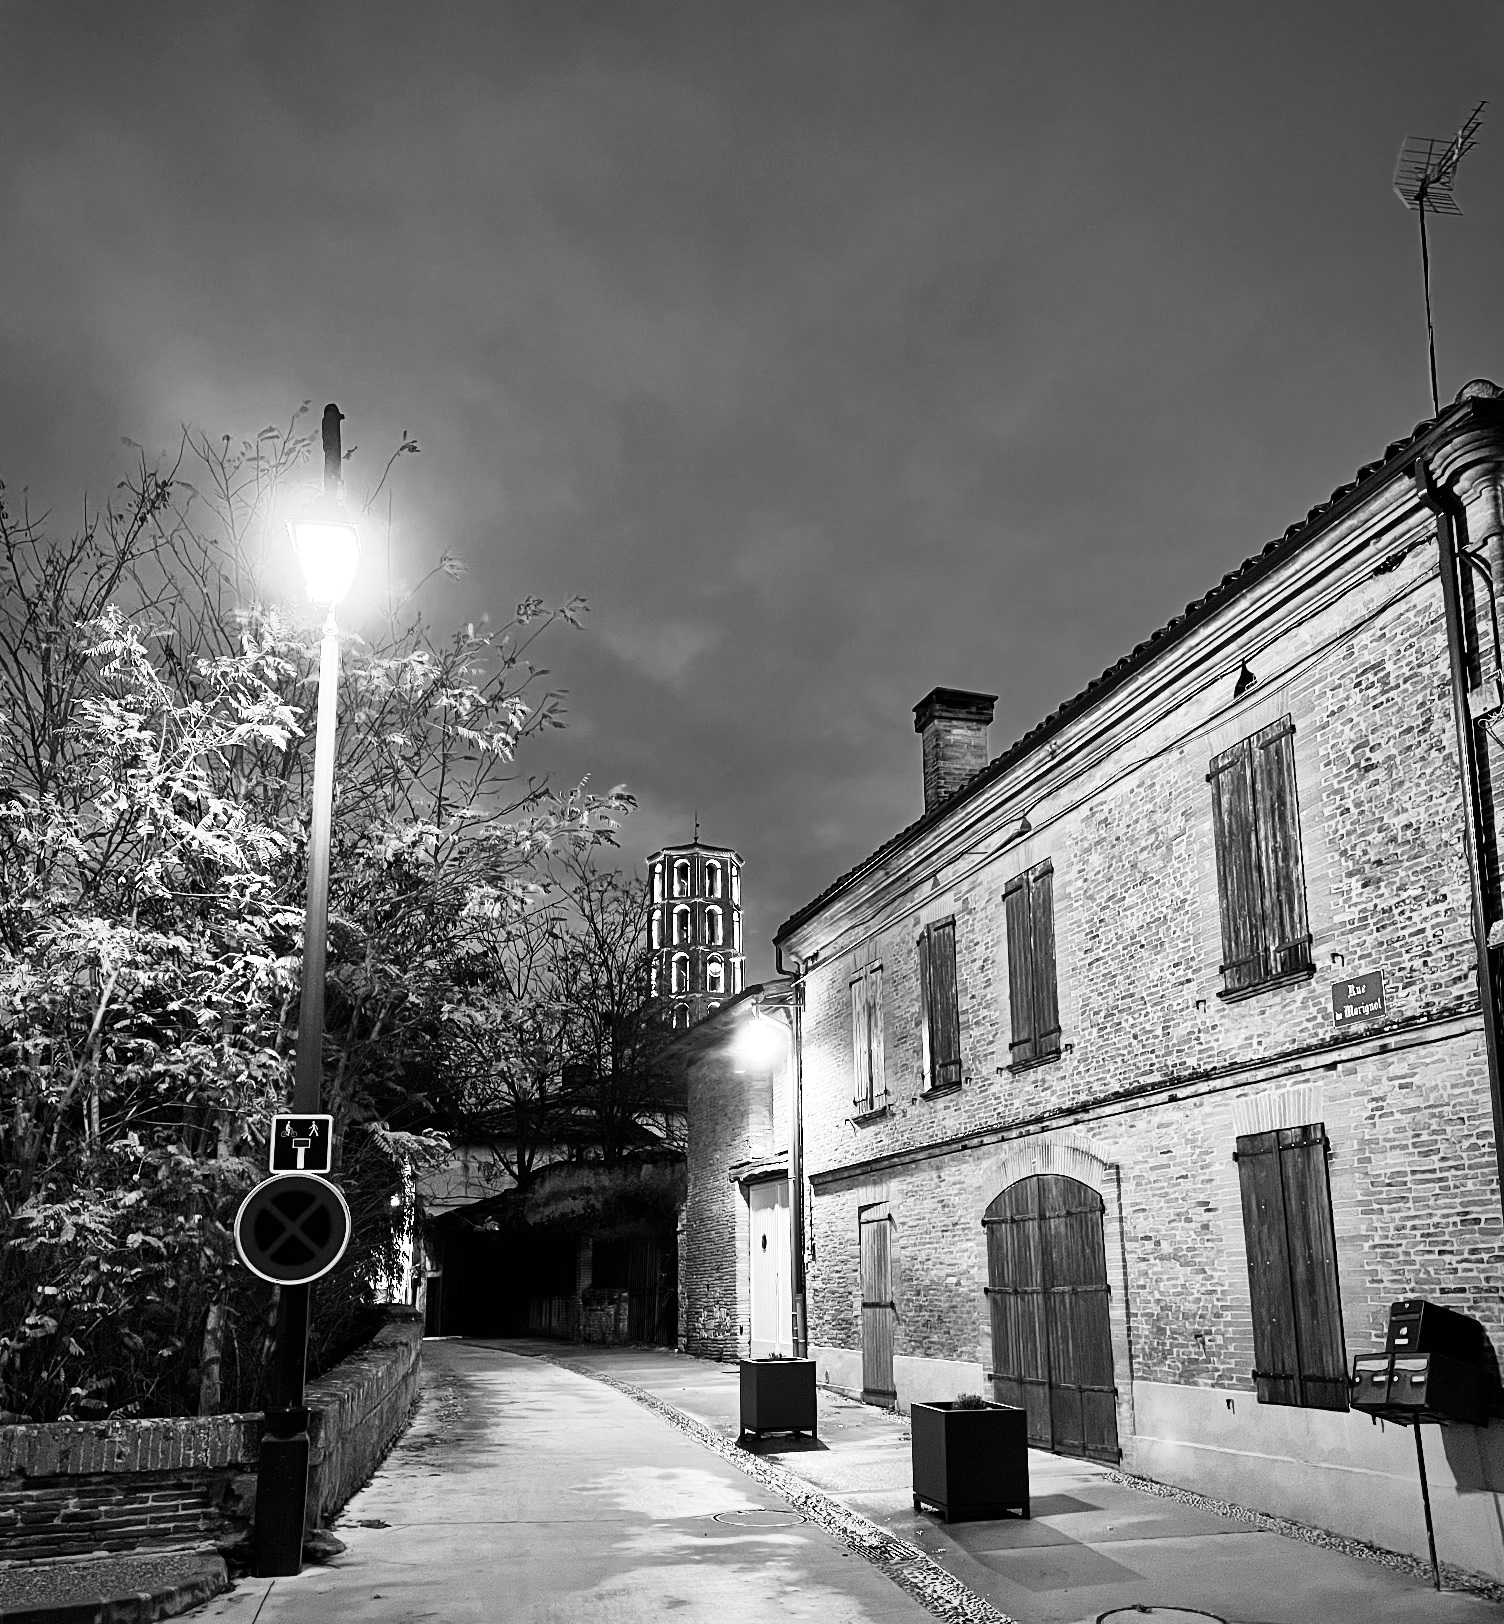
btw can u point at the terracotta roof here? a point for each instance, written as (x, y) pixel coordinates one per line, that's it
(1479, 398)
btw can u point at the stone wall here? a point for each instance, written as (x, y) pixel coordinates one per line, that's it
(72, 1488)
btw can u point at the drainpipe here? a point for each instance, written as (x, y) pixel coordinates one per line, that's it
(796, 1156)
(1451, 534)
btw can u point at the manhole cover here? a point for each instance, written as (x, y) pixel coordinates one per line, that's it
(760, 1518)
(1158, 1615)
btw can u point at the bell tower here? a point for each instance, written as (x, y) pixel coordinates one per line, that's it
(696, 929)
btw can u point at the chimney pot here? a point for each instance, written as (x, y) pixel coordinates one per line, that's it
(953, 724)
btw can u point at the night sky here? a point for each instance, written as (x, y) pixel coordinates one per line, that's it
(830, 350)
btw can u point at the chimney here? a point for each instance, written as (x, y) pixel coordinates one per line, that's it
(953, 724)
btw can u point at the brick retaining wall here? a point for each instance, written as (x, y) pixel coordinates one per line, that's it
(71, 1488)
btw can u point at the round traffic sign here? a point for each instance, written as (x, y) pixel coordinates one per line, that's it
(292, 1228)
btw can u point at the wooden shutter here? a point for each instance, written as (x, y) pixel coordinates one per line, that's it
(944, 1009)
(875, 1028)
(1282, 874)
(861, 1069)
(1029, 910)
(1042, 922)
(1239, 880)
(1024, 1046)
(1298, 1349)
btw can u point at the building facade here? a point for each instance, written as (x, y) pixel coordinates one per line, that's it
(696, 929)
(1147, 1068)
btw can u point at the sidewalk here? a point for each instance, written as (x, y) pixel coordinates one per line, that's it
(1092, 1545)
(533, 1494)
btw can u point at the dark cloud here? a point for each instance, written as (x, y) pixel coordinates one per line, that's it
(833, 350)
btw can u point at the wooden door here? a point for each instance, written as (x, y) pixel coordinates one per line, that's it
(1048, 1292)
(878, 1310)
(772, 1327)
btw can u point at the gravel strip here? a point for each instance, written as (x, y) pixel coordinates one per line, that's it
(145, 1586)
(937, 1591)
(1453, 1578)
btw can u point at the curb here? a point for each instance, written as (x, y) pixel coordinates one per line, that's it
(138, 1607)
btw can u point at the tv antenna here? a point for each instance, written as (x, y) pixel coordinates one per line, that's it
(1423, 181)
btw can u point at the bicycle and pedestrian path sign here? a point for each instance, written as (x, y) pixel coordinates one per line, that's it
(301, 1144)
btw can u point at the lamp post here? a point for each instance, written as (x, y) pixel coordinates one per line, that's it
(791, 1004)
(327, 546)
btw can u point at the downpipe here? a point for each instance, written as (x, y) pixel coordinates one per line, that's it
(796, 1159)
(1451, 536)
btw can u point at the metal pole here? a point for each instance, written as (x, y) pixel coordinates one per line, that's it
(1425, 1496)
(796, 1175)
(282, 1461)
(1425, 272)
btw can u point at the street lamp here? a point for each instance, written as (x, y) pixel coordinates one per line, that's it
(328, 547)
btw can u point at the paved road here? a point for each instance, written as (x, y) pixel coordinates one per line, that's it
(529, 1494)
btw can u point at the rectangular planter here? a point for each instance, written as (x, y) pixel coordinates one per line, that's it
(778, 1395)
(970, 1464)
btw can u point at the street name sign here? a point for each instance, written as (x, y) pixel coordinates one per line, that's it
(1358, 998)
(292, 1228)
(301, 1144)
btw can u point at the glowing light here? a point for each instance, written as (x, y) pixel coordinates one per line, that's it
(761, 1042)
(329, 551)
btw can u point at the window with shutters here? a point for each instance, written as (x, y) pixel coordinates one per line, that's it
(941, 1027)
(869, 1088)
(1298, 1350)
(1029, 911)
(1266, 939)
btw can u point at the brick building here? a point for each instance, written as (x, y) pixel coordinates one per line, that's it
(1151, 1064)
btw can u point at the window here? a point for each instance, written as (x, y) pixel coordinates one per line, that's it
(736, 884)
(712, 879)
(1298, 1352)
(1029, 908)
(681, 878)
(713, 926)
(1266, 939)
(736, 931)
(657, 882)
(937, 997)
(657, 929)
(681, 1017)
(679, 973)
(715, 975)
(681, 925)
(653, 979)
(869, 1091)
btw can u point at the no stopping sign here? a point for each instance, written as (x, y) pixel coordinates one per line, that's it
(292, 1228)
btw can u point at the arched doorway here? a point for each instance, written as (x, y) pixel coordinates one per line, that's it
(1051, 1337)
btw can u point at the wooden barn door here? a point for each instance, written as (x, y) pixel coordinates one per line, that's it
(1051, 1339)
(878, 1311)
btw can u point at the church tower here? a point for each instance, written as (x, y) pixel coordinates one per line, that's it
(696, 929)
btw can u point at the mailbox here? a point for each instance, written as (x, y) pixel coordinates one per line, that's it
(1418, 1326)
(1412, 1387)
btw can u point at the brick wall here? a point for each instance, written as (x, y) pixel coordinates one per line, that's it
(71, 1488)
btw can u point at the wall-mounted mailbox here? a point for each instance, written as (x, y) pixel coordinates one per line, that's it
(1420, 1387)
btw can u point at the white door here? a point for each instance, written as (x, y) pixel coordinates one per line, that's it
(772, 1286)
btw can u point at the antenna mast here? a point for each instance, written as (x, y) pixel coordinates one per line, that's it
(1423, 181)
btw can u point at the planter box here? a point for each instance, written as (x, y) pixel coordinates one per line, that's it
(970, 1464)
(778, 1395)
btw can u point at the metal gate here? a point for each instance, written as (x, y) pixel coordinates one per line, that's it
(878, 1309)
(1051, 1338)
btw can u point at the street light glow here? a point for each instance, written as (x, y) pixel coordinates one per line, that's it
(329, 551)
(760, 1043)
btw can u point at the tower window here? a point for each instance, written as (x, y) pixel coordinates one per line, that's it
(715, 976)
(712, 879)
(657, 930)
(681, 925)
(679, 973)
(681, 1017)
(657, 882)
(713, 926)
(653, 979)
(681, 878)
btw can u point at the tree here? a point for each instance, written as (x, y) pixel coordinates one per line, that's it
(155, 770)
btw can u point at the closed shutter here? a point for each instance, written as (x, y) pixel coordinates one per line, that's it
(1239, 882)
(1042, 920)
(875, 1028)
(861, 1072)
(944, 1008)
(1298, 1349)
(1283, 874)
(1024, 1046)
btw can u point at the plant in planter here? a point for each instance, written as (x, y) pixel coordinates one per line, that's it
(970, 1458)
(778, 1395)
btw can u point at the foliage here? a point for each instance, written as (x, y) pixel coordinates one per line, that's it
(155, 773)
